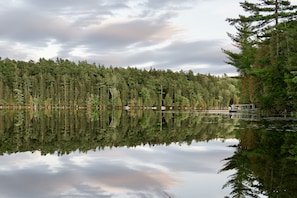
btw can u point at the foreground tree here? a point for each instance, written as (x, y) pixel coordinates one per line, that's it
(269, 72)
(245, 58)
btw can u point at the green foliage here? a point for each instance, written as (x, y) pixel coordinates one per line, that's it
(267, 42)
(65, 84)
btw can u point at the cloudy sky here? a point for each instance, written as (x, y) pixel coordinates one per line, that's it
(163, 34)
(140, 172)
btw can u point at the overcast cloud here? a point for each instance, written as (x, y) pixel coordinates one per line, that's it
(118, 172)
(167, 34)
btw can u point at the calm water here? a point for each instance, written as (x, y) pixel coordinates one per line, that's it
(146, 154)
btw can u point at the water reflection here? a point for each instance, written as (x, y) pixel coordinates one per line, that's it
(145, 154)
(265, 160)
(67, 131)
(113, 154)
(144, 171)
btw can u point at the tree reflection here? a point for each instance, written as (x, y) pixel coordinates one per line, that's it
(264, 161)
(67, 131)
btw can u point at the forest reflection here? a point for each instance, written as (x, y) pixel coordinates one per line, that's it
(67, 131)
(265, 160)
(263, 164)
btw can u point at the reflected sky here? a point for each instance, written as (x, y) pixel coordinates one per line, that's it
(177, 170)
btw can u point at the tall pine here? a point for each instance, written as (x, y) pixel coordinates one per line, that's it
(245, 58)
(269, 20)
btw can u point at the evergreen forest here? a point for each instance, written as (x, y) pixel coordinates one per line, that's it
(65, 84)
(267, 54)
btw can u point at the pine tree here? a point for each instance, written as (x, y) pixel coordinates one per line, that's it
(266, 66)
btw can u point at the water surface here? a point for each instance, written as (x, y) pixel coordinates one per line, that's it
(143, 171)
(145, 154)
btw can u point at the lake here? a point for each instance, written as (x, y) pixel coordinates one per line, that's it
(146, 154)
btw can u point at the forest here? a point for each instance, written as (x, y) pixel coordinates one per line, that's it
(266, 55)
(60, 83)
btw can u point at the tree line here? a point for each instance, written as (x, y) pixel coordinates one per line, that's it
(62, 83)
(267, 58)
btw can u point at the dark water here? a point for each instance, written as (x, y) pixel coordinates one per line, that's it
(146, 154)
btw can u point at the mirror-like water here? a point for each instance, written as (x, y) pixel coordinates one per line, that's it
(146, 154)
(142, 171)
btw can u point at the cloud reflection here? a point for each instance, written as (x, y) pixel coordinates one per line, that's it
(142, 171)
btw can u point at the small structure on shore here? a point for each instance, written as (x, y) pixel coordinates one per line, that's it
(242, 107)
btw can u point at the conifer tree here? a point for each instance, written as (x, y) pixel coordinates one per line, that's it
(266, 21)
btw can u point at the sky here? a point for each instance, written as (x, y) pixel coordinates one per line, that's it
(142, 171)
(162, 34)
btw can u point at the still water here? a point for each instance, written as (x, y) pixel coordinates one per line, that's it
(146, 154)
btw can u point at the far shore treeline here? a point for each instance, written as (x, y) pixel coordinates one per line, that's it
(60, 83)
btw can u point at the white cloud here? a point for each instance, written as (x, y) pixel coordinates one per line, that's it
(169, 34)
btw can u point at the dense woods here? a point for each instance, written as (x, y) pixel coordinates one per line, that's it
(65, 84)
(267, 57)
